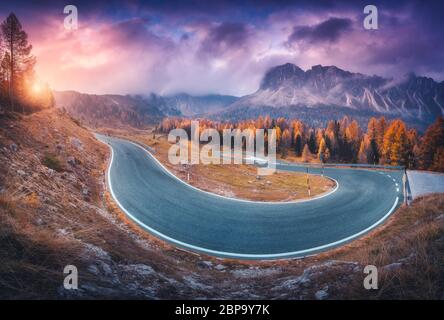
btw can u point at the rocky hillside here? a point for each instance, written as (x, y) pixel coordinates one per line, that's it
(55, 211)
(327, 89)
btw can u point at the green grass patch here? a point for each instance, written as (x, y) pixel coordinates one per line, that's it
(52, 162)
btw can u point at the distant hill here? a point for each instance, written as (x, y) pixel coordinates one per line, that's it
(189, 105)
(137, 111)
(108, 110)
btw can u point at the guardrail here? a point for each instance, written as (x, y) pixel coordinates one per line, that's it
(405, 181)
(347, 165)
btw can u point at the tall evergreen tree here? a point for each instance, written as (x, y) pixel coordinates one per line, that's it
(362, 154)
(312, 142)
(21, 62)
(298, 145)
(372, 128)
(373, 152)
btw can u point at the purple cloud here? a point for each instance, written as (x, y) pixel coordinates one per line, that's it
(224, 46)
(225, 37)
(327, 31)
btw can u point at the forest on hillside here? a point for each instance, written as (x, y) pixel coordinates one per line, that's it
(381, 142)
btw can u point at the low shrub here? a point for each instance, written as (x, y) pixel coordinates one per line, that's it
(52, 162)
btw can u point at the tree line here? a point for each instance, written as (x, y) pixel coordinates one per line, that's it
(344, 141)
(19, 91)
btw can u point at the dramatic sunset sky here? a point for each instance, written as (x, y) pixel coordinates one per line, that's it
(202, 47)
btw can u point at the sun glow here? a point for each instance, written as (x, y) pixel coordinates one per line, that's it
(36, 88)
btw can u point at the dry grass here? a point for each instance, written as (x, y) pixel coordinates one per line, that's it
(408, 251)
(32, 258)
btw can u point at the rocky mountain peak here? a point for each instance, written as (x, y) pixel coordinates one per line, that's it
(278, 75)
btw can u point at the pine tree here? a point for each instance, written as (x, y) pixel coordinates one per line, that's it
(438, 160)
(4, 74)
(327, 155)
(372, 129)
(267, 122)
(433, 139)
(298, 144)
(21, 62)
(362, 154)
(373, 152)
(312, 142)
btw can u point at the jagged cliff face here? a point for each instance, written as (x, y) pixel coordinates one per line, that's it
(288, 85)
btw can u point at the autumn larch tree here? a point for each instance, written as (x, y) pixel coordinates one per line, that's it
(21, 62)
(431, 149)
(278, 137)
(306, 154)
(321, 151)
(285, 142)
(380, 132)
(362, 154)
(399, 146)
(396, 145)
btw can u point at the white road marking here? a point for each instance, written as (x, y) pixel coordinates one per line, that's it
(235, 199)
(284, 255)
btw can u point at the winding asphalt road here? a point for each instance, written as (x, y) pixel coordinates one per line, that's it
(202, 222)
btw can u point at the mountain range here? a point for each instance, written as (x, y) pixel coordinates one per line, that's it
(137, 111)
(327, 90)
(316, 95)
